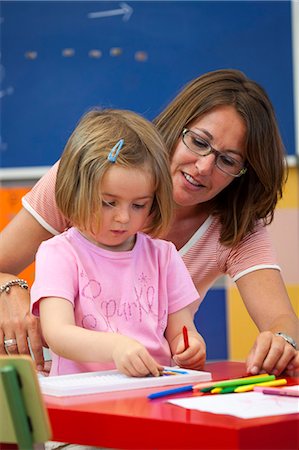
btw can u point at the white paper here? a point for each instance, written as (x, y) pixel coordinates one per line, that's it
(246, 405)
(292, 388)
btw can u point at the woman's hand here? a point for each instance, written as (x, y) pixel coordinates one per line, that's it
(17, 323)
(292, 369)
(272, 354)
(132, 359)
(194, 357)
(25, 234)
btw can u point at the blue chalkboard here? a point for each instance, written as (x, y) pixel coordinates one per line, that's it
(59, 58)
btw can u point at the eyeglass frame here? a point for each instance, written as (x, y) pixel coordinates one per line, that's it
(213, 151)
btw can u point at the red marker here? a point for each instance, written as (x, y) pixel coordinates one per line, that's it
(186, 340)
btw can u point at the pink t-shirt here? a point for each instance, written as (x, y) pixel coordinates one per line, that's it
(204, 256)
(130, 293)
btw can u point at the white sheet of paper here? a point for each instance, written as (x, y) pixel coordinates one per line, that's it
(296, 387)
(247, 405)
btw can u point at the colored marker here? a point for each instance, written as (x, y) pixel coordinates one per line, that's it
(277, 391)
(231, 385)
(204, 384)
(250, 387)
(216, 390)
(171, 392)
(240, 381)
(186, 339)
(173, 372)
(227, 390)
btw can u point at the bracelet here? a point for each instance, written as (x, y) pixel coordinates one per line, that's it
(288, 339)
(18, 282)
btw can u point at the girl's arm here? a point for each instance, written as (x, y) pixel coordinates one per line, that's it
(19, 241)
(68, 340)
(194, 356)
(267, 301)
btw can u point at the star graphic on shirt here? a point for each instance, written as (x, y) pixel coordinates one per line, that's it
(144, 279)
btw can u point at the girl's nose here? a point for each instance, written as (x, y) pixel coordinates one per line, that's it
(122, 215)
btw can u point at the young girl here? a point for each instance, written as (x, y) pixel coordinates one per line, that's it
(108, 295)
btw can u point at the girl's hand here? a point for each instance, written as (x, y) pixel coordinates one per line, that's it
(194, 356)
(273, 355)
(132, 359)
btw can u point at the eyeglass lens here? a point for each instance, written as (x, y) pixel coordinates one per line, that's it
(197, 144)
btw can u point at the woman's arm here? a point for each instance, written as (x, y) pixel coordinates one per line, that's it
(19, 241)
(195, 355)
(70, 341)
(266, 299)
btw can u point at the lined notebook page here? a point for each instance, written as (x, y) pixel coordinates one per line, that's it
(112, 380)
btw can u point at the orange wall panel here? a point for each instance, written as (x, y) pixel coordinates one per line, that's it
(10, 204)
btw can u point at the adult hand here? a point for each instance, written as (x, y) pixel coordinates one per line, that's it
(46, 369)
(194, 357)
(24, 233)
(271, 354)
(292, 369)
(17, 323)
(132, 359)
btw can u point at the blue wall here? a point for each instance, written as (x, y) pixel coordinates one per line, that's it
(211, 322)
(44, 90)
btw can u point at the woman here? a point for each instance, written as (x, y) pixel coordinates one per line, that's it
(227, 166)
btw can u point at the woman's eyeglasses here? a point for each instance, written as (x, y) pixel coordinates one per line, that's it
(198, 145)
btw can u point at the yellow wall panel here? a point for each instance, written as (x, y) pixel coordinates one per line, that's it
(241, 329)
(290, 197)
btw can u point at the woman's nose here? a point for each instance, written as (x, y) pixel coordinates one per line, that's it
(205, 164)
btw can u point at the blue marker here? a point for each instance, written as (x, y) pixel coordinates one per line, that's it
(171, 392)
(173, 372)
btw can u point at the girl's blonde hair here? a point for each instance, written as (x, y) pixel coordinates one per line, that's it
(84, 163)
(253, 196)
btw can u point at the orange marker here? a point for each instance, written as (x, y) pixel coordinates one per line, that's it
(186, 340)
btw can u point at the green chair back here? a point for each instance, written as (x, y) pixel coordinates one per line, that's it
(24, 419)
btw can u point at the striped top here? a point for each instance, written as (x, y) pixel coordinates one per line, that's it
(204, 256)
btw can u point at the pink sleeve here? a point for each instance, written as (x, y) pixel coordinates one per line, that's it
(55, 273)
(207, 259)
(40, 203)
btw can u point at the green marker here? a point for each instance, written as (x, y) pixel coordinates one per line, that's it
(245, 380)
(239, 382)
(227, 390)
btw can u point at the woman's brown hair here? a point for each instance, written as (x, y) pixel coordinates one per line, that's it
(254, 195)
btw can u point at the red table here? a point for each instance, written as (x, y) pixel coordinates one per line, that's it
(129, 420)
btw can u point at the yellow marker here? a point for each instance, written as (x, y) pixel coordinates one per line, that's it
(249, 387)
(216, 390)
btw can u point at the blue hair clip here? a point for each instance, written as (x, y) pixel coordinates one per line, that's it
(115, 151)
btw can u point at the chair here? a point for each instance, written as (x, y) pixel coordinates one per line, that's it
(24, 419)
